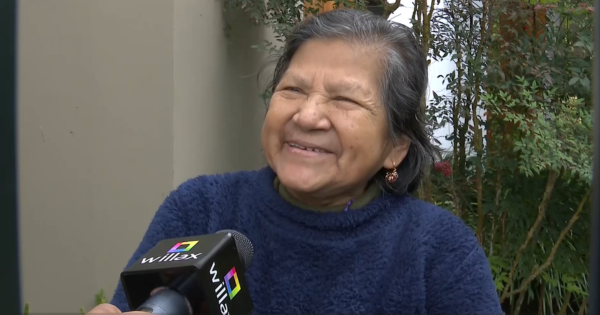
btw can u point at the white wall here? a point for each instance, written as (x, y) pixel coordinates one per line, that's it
(119, 101)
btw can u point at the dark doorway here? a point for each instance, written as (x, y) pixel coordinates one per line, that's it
(9, 264)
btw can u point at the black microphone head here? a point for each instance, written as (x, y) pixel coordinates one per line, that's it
(244, 246)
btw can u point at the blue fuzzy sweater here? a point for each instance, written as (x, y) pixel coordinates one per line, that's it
(397, 255)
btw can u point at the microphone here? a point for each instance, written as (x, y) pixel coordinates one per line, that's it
(192, 275)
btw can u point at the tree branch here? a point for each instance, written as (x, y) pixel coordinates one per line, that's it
(552, 176)
(477, 133)
(565, 303)
(414, 14)
(388, 8)
(583, 306)
(536, 272)
(430, 15)
(541, 297)
(520, 300)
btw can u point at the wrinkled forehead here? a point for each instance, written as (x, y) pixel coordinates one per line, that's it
(340, 64)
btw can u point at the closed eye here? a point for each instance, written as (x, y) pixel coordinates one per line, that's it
(292, 89)
(345, 99)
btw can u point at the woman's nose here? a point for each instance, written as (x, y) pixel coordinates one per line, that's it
(312, 113)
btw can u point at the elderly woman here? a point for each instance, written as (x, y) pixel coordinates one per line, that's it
(334, 227)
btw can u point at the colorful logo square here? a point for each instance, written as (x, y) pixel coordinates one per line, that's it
(176, 248)
(237, 288)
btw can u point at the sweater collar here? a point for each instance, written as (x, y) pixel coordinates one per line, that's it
(275, 205)
(369, 195)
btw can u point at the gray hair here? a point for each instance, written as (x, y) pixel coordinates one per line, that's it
(403, 82)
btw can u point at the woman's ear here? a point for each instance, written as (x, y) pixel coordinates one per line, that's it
(397, 153)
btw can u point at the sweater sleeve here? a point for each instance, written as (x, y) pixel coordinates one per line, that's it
(460, 281)
(168, 222)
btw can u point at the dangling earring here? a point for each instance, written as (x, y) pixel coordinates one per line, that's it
(392, 176)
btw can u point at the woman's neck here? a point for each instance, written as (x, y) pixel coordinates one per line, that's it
(350, 202)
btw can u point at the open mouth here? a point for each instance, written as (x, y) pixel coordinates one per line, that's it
(297, 146)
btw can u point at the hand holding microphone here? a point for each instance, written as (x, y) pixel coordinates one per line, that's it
(110, 309)
(190, 275)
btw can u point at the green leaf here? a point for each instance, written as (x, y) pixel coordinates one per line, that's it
(573, 80)
(100, 299)
(575, 289)
(585, 82)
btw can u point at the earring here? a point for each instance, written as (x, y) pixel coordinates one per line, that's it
(392, 176)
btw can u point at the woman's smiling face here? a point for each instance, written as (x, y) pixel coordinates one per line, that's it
(325, 132)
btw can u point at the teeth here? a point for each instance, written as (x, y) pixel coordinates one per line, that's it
(305, 148)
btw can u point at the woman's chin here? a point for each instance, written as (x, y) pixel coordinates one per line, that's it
(304, 181)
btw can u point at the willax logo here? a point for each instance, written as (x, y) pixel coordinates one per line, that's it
(174, 253)
(220, 289)
(237, 288)
(176, 248)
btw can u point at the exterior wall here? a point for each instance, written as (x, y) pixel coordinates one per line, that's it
(118, 103)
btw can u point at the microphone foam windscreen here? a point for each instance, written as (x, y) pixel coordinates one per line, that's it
(244, 246)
